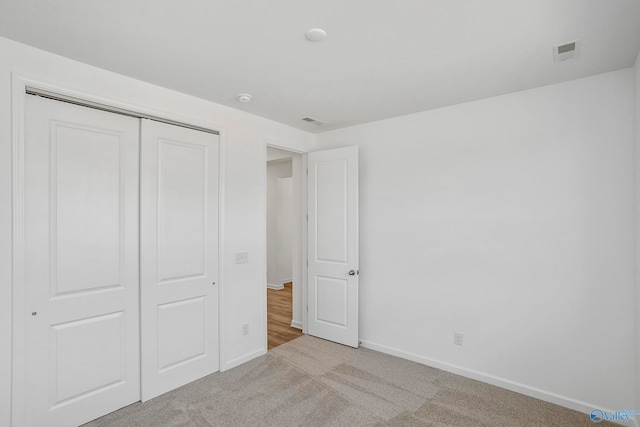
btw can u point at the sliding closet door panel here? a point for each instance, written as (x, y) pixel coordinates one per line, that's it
(81, 263)
(179, 259)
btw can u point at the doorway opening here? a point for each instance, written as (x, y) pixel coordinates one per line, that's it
(284, 199)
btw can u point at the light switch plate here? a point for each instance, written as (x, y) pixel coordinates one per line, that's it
(242, 257)
(457, 338)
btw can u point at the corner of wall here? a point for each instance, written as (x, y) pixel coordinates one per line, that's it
(242, 359)
(314, 143)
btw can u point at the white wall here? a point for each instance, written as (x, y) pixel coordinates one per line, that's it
(509, 220)
(285, 229)
(276, 254)
(242, 141)
(636, 70)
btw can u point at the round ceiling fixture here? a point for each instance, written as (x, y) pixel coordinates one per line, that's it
(244, 97)
(315, 34)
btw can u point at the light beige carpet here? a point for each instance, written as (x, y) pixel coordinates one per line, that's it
(312, 382)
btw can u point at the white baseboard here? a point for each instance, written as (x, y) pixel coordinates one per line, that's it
(567, 402)
(296, 324)
(287, 281)
(275, 287)
(242, 359)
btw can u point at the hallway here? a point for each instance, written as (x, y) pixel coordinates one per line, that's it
(279, 317)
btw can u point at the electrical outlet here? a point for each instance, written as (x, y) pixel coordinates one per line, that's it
(457, 338)
(245, 329)
(242, 257)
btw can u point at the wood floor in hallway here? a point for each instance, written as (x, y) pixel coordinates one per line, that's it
(279, 317)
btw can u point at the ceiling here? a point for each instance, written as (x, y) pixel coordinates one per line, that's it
(380, 59)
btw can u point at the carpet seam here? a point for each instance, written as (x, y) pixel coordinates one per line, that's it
(317, 379)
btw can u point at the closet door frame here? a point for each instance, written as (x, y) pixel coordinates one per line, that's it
(21, 86)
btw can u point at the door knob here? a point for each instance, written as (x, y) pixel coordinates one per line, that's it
(352, 272)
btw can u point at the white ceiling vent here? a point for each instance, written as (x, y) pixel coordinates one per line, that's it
(566, 51)
(314, 121)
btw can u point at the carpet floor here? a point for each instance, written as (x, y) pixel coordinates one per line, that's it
(311, 382)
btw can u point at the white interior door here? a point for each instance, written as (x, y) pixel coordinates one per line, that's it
(332, 295)
(179, 258)
(81, 263)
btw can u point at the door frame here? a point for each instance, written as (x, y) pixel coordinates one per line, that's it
(20, 84)
(282, 145)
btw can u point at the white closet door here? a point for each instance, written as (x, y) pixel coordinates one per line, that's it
(81, 263)
(179, 258)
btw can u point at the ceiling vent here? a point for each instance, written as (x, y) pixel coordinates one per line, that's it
(314, 121)
(566, 51)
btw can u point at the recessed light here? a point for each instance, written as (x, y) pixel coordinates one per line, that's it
(244, 97)
(315, 34)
